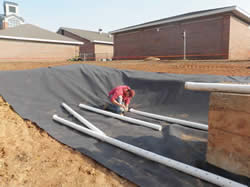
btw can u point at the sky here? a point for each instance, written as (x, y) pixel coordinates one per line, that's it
(110, 15)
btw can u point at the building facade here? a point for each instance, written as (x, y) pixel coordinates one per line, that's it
(97, 45)
(11, 17)
(27, 42)
(212, 34)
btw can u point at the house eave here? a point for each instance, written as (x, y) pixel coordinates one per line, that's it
(236, 10)
(40, 40)
(102, 42)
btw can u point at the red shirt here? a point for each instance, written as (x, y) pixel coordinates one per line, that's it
(120, 90)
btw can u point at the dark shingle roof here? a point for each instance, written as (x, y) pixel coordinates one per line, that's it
(34, 33)
(234, 9)
(90, 35)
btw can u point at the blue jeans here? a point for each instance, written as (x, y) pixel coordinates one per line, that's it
(114, 108)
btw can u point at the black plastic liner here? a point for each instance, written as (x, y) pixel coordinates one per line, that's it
(37, 95)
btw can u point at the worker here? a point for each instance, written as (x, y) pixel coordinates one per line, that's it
(120, 97)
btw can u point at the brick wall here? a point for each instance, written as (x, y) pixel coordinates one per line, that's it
(32, 51)
(103, 51)
(239, 46)
(4, 25)
(87, 47)
(206, 36)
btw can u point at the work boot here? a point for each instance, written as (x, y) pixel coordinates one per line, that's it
(105, 106)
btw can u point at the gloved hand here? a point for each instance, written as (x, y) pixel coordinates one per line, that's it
(126, 108)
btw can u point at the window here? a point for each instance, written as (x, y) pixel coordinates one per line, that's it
(12, 9)
(13, 22)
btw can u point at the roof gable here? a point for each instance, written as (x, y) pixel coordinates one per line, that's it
(92, 36)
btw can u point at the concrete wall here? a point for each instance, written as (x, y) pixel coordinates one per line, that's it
(206, 38)
(104, 51)
(35, 51)
(239, 46)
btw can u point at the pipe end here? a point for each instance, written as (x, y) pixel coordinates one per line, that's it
(54, 116)
(186, 85)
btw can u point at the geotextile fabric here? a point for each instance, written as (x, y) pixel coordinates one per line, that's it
(37, 95)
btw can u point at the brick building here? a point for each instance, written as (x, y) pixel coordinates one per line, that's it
(97, 45)
(27, 42)
(222, 33)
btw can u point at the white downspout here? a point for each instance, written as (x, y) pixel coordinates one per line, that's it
(172, 120)
(81, 119)
(218, 87)
(124, 118)
(196, 172)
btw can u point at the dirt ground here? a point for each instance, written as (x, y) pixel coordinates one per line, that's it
(30, 157)
(231, 68)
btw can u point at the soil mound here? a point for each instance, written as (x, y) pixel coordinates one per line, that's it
(151, 58)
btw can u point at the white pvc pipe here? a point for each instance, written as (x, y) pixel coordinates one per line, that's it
(124, 118)
(218, 87)
(196, 172)
(172, 120)
(81, 119)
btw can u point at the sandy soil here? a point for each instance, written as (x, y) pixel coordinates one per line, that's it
(30, 157)
(231, 68)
